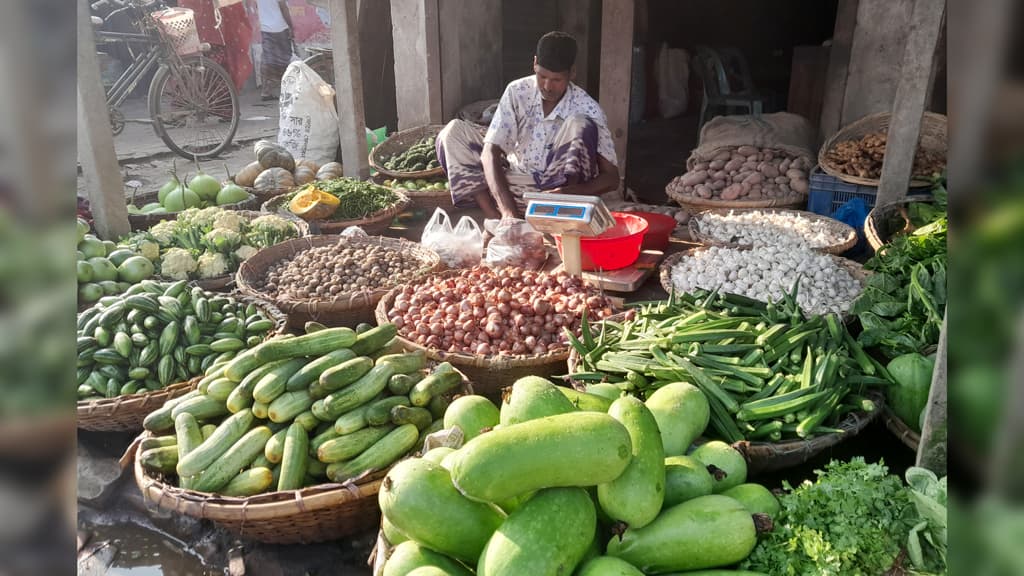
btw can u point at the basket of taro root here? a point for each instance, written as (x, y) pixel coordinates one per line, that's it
(335, 280)
(495, 325)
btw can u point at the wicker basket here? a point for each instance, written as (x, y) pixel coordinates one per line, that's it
(126, 413)
(845, 230)
(347, 309)
(315, 514)
(489, 374)
(399, 142)
(374, 224)
(878, 229)
(426, 200)
(900, 429)
(474, 112)
(856, 270)
(933, 138)
(140, 222)
(694, 204)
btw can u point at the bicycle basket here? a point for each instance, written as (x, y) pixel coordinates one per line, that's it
(179, 26)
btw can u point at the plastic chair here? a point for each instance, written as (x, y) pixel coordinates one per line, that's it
(727, 82)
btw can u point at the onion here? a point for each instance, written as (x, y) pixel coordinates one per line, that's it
(483, 348)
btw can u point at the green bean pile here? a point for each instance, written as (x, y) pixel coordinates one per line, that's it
(359, 199)
(767, 371)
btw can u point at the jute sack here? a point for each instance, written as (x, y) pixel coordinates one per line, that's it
(783, 131)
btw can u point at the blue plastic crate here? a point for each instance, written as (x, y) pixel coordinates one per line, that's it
(828, 193)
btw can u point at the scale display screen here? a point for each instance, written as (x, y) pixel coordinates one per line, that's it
(557, 211)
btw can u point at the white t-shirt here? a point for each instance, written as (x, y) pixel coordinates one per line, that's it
(271, 19)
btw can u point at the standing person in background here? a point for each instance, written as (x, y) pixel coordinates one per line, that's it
(276, 31)
(228, 32)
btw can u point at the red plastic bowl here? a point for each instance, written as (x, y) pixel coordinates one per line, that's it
(616, 247)
(660, 230)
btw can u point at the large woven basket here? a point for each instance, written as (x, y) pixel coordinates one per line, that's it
(845, 230)
(426, 200)
(345, 310)
(933, 138)
(899, 428)
(398, 143)
(856, 270)
(126, 413)
(140, 222)
(489, 374)
(314, 514)
(694, 204)
(374, 224)
(878, 226)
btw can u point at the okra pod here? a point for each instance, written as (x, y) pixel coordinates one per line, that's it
(709, 387)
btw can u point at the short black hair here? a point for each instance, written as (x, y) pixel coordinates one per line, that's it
(556, 51)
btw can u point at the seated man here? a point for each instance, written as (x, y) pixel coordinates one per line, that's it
(547, 135)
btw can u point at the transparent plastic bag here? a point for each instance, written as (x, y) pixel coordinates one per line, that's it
(515, 243)
(458, 247)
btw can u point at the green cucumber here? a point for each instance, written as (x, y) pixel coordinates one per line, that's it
(237, 457)
(161, 460)
(260, 410)
(241, 398)
(435, 384)
(220, 389)
(316, 468)
(421, 418)
(311, 371)
(530, 398)
(308, 420)
(706, 532)
(549, 534)
(320, 439)
(287, 406)
(419, 499)
(249, 482)
(351, 445)
(408, 557)
(401, 384)
(157, 442)
(382, 454)
(202, 407)
(229, 432)
(584, 401)
(354, 420)
(636, 496)
(340, 375)
(315, 344)
(188, 437)
(274, 449)
(438, 406)
(755, 498)
(207, 430)
(294, 458)
(273, 383)
(686, 478)
(407, 363)
(378, 412)
(374, 339)
(682, 412)
(732, 466)
(354, 395)
(472, 414)
(242, 365)
(576, 449)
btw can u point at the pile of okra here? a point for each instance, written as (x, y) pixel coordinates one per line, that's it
(768, 371)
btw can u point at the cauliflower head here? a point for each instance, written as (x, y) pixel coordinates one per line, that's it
(212, 264)
(273, 223)
(177, 264)
(229, 220)
(245, 252)
(202, 218)
(223, 239)
(149, 249)
(164, 231)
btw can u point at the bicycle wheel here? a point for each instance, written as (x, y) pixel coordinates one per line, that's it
(194, 107)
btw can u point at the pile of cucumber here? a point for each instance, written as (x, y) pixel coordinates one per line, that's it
(769, 371)
(559, 481)
(156, 334)
(295, 411)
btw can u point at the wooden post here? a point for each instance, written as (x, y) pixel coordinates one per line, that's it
(616, 72)
(931, 450)
(415, 29)
(95, 140)
(574, 18)
(909, 104)
(348, 82)
(838, 69)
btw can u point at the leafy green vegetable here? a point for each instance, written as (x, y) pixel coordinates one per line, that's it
(928, 493)
(912, 374)
(359, 199)
(852, 521)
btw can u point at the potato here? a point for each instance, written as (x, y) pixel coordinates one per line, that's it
(723, 155)
(795, 174)
(732, 192)
(716, 165)
(784, 165)
(747, 150)
(768, 169)
(694, 178)
(754, 178)
(719, 184)
(799, 185)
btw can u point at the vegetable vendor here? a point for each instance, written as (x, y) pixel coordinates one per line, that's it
(547, 135)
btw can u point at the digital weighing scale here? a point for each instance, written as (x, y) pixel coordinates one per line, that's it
(572, 217)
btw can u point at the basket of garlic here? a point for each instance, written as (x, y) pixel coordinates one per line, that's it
(767, 227)
(827, 283)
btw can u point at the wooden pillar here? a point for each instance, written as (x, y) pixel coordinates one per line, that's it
(415, 29)
(616, 72)
(911, 99)
(838, 69)
(95, 140)
(348, 82)
(574, 18)
(932, 449)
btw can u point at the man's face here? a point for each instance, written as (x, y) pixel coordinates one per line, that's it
(552, 85)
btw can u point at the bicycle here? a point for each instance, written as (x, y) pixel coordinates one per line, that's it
(191, 97)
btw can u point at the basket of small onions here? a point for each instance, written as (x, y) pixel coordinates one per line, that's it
(495, 325)
(334, 280)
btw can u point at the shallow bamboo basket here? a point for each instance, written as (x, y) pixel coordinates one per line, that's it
(695, 204)
(933, 138)
(847, 232)
(877, 227)
(426, 200)
(400, 142)
(139, 222)
(374, 224)
(345, 309)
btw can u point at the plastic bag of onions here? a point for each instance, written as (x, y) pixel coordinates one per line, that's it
(505, 312)
(514, 243)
